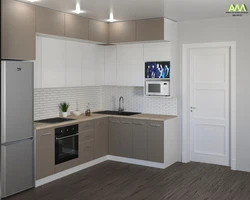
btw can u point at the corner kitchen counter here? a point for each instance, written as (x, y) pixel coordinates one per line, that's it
(82, 118)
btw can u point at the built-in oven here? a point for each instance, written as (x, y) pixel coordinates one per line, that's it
(66, 144)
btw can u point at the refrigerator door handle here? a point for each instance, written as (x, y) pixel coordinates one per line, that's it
(18, 141)
(3, 102)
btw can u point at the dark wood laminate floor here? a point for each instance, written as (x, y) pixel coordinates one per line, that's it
(113, 180)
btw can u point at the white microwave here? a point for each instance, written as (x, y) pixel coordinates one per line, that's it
(157, 88)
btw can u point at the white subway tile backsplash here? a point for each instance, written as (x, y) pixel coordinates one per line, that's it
(46, 101)
(135, 100)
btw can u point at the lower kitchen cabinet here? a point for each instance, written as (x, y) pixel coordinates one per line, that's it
(120, 137)
(156, 141)
(86, 142)
(101, 138)
(114, 136)
(126, 138)
(140, 140)
(45, 153)
(66, 165)
(86, 151)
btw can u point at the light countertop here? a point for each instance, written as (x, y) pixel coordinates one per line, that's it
(82, 118)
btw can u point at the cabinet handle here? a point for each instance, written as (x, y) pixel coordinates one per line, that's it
(155, 125)
(114, 121)
(126, 122)
(140, 124)
(46, 134)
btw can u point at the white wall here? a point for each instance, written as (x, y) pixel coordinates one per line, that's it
(222, 30)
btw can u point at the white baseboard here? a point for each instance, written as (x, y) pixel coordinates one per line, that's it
(184, 158)
(69, 171)
(137, 162)
(233, 164)
(95, 162)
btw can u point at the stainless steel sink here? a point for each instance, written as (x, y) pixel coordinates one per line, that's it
(113, 112)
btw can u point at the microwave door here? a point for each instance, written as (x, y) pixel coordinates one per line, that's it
(154, 88)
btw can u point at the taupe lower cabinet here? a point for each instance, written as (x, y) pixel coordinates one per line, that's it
(114, 136)
(101, 147)
(86, 141)
(18, 30)
(49, 21)
(156, 141)
(140, 140)
(45, 153)
(117, 136)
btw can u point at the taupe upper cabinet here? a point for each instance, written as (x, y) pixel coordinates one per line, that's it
(122, 32)
(49, 21)
(150, 29)
(98, 31)
(18, 31)
(76, 27)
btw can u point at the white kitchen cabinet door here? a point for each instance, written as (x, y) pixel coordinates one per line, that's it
(99, 65)
(37, 64)
(130, 65)
(160, 51)
(73, 64)
(88, 64)
(110, 65)
(53, 63)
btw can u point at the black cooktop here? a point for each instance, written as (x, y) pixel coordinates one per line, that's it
(54, 120)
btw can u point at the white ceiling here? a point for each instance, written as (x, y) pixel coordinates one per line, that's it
(178, 10)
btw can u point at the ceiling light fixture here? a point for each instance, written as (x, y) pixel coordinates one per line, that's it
(111, 18)
(32, 1)
(78, 9)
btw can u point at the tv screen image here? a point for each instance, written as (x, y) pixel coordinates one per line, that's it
(157, 69)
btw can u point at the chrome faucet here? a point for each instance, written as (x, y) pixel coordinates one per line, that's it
(121, 104)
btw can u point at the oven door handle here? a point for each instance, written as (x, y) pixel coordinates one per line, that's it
(66, 137)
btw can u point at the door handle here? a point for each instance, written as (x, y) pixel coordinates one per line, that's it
(193, 107)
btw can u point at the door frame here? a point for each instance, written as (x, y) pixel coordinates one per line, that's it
(186, 94)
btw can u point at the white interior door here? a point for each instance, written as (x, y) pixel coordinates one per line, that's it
(209, 105)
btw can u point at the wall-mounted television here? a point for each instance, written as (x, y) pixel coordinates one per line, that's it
(159, 70)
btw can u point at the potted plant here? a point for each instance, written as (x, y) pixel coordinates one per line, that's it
(64, 108)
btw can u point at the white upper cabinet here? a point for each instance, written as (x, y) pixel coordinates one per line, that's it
(73, 64)
(99, 65)
(160, 51)
(38, 64)
(53, 63)
(130, 65)
(110, 65)
(88, 64)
